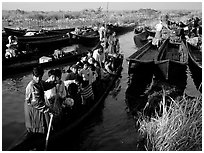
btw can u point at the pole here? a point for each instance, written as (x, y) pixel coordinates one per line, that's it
(48, 132)
(107, 13)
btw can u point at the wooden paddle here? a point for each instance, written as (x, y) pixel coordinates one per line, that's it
(48, 132)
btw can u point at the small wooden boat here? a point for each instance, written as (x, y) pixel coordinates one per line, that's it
(60, 31)
(143, 58)
(195, 64)
(21, 67)
(141, 38)
(34, 49)
(39, 37)
(37, 142)
(142, 64)
(87, 39)
(121, 29)
(15, 32)
(172, 61)
(26, 62)
(46, 45)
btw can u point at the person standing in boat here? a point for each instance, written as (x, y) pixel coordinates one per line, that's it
(49, 94)
(36, 110)
(102, 32)
(99, 56)
(114, 45)
(162, 31)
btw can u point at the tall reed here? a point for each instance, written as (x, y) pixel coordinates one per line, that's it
(177, 128)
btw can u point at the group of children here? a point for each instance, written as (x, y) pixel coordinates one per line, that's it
(81, 84)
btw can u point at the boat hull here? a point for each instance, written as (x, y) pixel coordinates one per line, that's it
(14, 32)
(195, 64)
(143, 58)
(170, 65)
(90, 39)
(141, 38)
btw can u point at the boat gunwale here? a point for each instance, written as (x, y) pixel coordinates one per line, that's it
(188, 45)
(163, 50)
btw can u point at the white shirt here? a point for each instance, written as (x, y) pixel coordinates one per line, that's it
(159, 26)
(99, 57)
(101, 31)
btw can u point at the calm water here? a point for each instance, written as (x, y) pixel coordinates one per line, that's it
(111, 128)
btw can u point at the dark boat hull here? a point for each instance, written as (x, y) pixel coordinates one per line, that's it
(46, 45)
(141, 70)
(89, 39)
(195, 64)
(38, 37)
(14, 32)
(121, 29)
(28, 66)
(60, 31)
(141, 38)
(29, 143)
(28, 62)
(170, 66)
(143, 58)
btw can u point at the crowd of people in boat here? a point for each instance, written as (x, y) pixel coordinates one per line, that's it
(83, 84)
(176, 31)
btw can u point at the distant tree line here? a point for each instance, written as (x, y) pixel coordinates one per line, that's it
(89, 15)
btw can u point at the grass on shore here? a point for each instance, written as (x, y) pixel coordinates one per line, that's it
(178, 128)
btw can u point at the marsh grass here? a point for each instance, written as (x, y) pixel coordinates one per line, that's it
(178, 127)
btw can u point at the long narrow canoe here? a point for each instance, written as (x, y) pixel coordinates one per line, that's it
(37, 48)
(142, 63)
(46, 44)
(195, 64)
(87, 39)
(15, 32)
(121, 29)
(143, 58)
(140, 39)
(38, 37)
(37, 142)
(21, 66)
(60, 31)
(172, 61)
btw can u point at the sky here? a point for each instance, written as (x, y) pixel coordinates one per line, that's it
(111, 5)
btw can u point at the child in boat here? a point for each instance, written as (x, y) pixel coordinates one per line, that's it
(49, 94)
(59, 98)
(109, 65)
(74, 75)
(58, 54)
(60, 87)
(73, 102)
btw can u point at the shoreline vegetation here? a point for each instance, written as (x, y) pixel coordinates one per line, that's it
(176, 126)
(88, 17)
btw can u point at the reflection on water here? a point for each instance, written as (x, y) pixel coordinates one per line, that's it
(141, 85)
